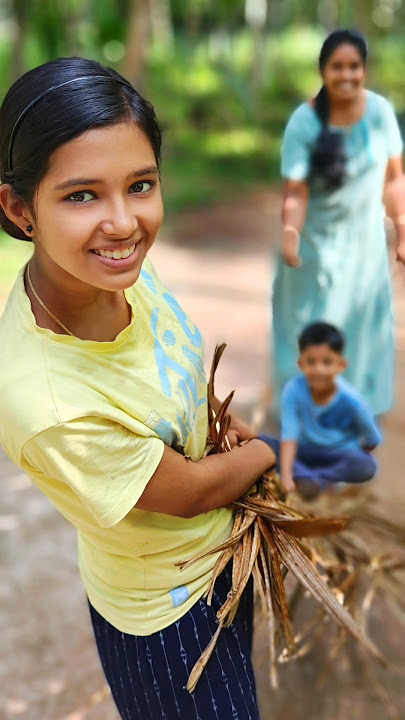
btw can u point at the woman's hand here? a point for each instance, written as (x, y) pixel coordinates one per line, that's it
(293, 214)
(401, 253)
(291, 259)
(290, 247)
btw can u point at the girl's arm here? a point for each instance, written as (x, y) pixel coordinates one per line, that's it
(184, 488)
(293, 214)
(394, 201)
(239, 430)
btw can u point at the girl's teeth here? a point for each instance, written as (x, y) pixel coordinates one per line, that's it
(116, 254)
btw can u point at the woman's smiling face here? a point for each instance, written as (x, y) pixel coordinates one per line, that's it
(344, 72)
(99, 207)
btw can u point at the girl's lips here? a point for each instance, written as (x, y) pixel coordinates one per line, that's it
(119, 263)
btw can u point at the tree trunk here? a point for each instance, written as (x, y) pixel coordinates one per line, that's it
(137, 44)
(20, 15)
(72, 17)
(161, 24)
(255, 15)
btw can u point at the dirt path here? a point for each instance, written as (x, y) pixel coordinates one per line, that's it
(218, 263)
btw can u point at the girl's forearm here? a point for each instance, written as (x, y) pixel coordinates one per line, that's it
(184, 488)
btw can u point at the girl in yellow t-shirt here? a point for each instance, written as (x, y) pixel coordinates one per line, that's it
(111, 370)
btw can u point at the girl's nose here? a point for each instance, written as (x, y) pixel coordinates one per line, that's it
(120, 221)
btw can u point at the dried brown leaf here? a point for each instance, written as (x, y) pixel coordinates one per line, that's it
(293, 558)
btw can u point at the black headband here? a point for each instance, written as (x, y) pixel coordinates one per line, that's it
(46, 92)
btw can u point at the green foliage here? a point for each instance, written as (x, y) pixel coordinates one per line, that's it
(220, 135)
(222, 90)
(388, 69)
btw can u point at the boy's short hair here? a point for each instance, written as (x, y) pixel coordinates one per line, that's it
(322, 333)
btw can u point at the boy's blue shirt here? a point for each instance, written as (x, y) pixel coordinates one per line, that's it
(346, 422)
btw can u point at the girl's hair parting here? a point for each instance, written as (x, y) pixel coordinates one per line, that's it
(55, 103)
(328, 160)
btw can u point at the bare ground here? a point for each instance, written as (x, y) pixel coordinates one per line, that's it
(219, 263)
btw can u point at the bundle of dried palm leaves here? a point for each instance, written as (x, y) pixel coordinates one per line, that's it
(325, 555)
(367, 559)
(365, 565)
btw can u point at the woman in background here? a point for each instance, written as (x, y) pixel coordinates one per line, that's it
(340, 151)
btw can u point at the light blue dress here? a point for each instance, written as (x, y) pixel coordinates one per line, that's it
(344, 278)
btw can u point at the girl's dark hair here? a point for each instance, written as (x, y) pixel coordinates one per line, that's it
(102, 97)
(322, 333)
(328, 160)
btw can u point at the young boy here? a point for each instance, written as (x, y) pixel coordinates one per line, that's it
(327, 429)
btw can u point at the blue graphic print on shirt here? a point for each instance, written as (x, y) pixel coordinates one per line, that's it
(185, 385)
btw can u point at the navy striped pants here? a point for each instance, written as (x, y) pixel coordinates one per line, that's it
(148, 675)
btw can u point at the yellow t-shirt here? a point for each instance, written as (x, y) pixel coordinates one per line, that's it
(87, 421)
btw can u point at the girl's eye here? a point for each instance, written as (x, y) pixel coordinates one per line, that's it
(81, 196)
(142, 186)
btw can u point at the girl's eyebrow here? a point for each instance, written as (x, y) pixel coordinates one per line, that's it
(74, 182)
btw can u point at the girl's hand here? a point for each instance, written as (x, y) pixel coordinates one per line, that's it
(239, 431)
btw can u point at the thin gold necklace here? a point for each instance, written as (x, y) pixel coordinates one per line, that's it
(42, 304)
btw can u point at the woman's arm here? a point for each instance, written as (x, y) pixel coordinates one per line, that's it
(184, 488)
(293, 214)
(394, 201)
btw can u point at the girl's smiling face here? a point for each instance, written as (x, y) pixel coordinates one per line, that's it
(99, 207)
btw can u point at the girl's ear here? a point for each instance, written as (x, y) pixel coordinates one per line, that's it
(16, 209)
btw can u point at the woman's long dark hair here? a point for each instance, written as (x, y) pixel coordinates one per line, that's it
(97, 97)
(328, 159)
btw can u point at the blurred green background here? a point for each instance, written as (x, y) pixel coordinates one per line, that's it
(223, 74)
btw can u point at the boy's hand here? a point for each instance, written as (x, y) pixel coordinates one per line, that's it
(288, 483)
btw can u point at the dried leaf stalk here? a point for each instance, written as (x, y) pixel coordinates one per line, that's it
(326, 555)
